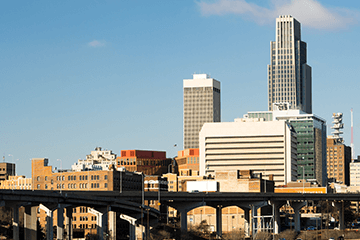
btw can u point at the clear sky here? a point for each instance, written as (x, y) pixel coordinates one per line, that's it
(80, 74)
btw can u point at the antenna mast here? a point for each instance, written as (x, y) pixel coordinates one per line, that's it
(352, 136)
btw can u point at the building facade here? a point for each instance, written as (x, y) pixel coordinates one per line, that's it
(6, 170)
(311, 143)
(44, 178)
(355, 175)
(201, 105)
(265, 147)
(147, 162)
(188, 160)
(311, 140)
(338, 161)
(289, 76)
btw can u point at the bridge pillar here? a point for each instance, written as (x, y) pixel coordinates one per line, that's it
(105, 214)
(340, 207)
(68, 223)
(297, 206)
(183, 208)
(30, 227)
(112, 224)
(15, 222)
(60, 222)
(276, 210)
(219, 221)
(246, 222)
(101, 221)
(49, 222)
(132, 228)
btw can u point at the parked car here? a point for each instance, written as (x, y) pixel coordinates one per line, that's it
(311, 228)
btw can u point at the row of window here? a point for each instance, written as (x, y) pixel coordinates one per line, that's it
(73, 178)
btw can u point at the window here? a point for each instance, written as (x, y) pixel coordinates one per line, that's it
(38, 178)
(105, 177)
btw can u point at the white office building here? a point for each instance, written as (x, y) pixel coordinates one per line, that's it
(266, 147)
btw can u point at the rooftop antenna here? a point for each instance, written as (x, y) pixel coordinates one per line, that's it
(338, 125)
(352, 136)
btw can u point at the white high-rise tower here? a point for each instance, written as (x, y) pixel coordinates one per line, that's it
(201, 105)
(289, 77)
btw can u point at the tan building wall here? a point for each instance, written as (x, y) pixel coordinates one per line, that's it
(338, 161)
(44, 178)
(16, 183)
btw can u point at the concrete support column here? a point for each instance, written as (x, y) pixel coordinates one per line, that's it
(15, 222)
(132, 226)
(276, 205)
(219, 221)
(49, 222)
(297, 206)
(183, 219)
(276, 219)
(183, 209)
(30, 227)
(105, 221)
(340, 207)
(246, 222)
(60, 223)
(112, 224)
(100, 221)
(254, 220)
(68, 223)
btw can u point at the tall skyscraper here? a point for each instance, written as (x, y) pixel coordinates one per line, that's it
(201, 105)
(289, 77)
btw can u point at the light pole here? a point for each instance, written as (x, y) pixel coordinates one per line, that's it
(60, 174)
(264, 181)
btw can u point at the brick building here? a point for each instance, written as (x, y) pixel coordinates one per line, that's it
(44, 178)
(188, 159)
(147, 162)
(338, 161)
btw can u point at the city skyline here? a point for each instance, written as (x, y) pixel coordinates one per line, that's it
(82, 75)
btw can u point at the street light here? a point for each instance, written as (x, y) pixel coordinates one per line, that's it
(60, 174)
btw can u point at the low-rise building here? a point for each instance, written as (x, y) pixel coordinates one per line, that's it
(16, 183)
(6, 170)
(147, 162)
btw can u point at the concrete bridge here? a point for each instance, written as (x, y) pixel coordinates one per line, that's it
(104, 206)
(129, 204)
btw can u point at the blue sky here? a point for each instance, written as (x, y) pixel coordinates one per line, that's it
(80, 74)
